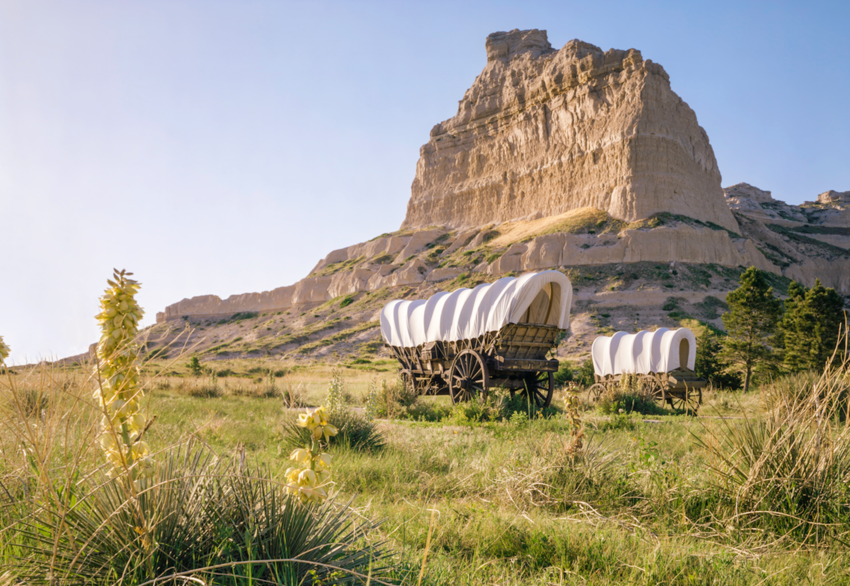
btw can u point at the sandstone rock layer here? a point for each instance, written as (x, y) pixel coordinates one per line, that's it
(544, 132)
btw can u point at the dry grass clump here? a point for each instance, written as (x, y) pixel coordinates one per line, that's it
(292, 395)
(788, 472)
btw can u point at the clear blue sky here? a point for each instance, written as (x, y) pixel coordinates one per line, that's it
(225, 147)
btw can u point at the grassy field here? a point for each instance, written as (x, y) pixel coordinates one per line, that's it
(648, 499)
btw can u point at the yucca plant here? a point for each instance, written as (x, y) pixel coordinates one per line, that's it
(70, 516)
(788, 472)
(118, 390)
(204, 511)
(355, 432)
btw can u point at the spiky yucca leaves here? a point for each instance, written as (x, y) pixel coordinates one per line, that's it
(355, 432)
(204, 511)
(268, 524)
(118, 391)
(788, 473)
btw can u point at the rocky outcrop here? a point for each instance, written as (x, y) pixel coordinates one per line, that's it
(676, 243)
(543, 132)
(834, 197)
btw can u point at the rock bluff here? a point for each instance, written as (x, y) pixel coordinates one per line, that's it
(542, 132)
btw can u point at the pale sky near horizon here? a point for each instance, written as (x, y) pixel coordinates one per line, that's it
(226, 147)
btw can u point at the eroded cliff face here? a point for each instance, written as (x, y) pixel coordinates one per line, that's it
(542, 132)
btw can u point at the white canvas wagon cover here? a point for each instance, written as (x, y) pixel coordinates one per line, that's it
(645, 352)
(465, 314)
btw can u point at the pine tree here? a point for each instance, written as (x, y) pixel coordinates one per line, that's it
(811, 325)
(752, 319)
(708, 364)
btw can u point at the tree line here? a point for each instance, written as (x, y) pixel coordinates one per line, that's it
(766, 335)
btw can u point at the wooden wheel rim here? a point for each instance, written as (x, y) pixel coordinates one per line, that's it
(595, 391)
(468, 377)
(541, 387)
(689, 403)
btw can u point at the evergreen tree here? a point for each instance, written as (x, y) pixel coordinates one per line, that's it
(796, 293)
(708, 364)
(810, 327)
(752, 319)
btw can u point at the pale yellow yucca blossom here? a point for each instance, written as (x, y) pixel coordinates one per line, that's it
(119, 393)
(301, 456)
(322, 467)
(306, 485)
(312, 472)
(317, 422)
(4, 351)
(319, 464)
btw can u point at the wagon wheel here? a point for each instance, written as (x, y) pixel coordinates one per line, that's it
(689, 401)
(541, 386)
(595, 392)
(468, 377)
(652, 387)
(408, 380)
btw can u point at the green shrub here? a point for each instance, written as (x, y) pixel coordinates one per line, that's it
(346, 301)
(584, 376)
(630, 396)
(564, 374)
(478, 410)
(243, 315)
(194, 366)
(396, 399)
(205, 391)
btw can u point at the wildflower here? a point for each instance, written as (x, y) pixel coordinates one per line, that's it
(301, 455)
(312, 472)
(317, 422)
(119, 393)
(4, 351)
(306, 484)
(322, 467)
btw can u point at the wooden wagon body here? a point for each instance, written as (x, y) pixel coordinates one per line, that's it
(518, 321)
(661, 363)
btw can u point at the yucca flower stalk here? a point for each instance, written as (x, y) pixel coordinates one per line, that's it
(118, 391)
(372, 401)
(335, 401)
(312, 473)
(571, 409)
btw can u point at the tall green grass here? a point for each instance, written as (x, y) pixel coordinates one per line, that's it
(786, 474)
(63, 520)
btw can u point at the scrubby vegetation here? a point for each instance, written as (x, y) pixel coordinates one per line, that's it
(222, 477)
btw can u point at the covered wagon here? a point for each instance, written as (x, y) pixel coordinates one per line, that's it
(663, 362)
(464, 342)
